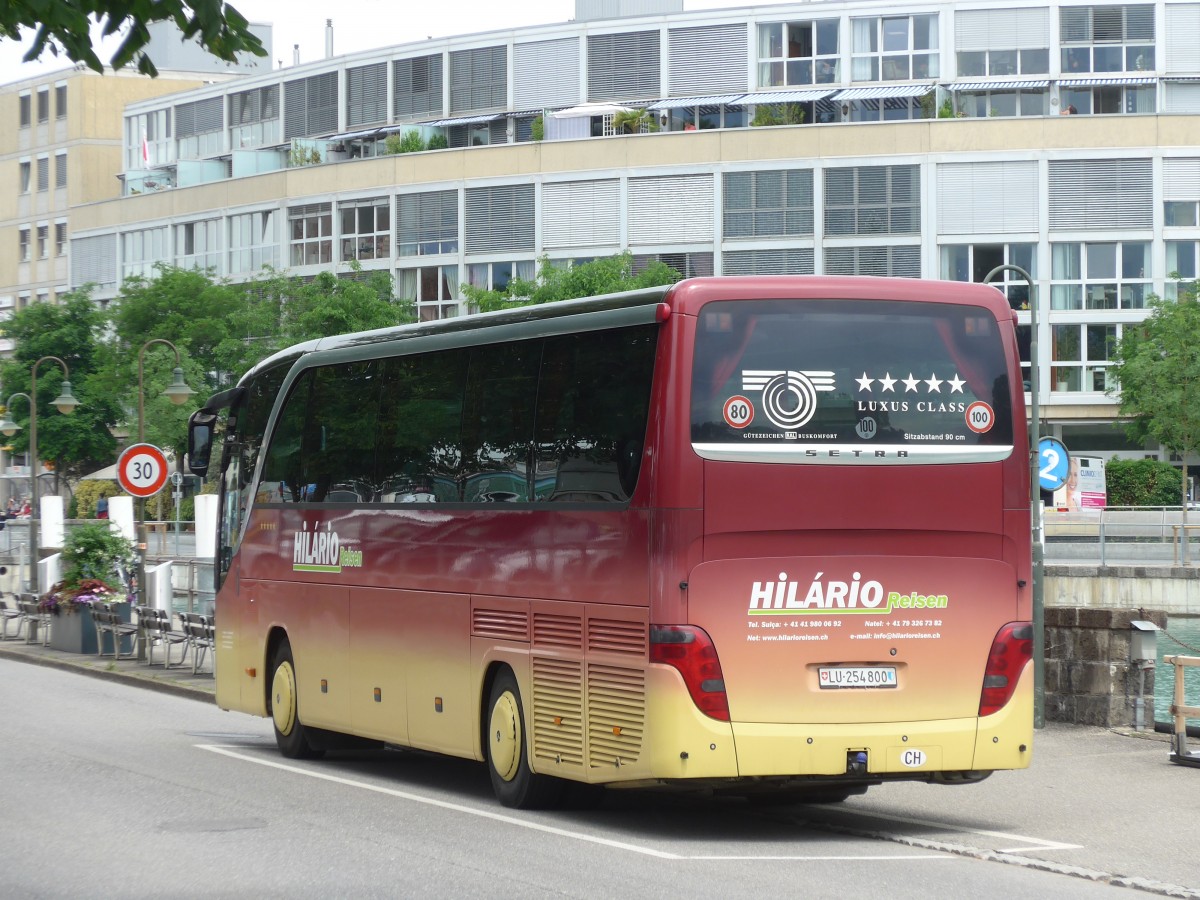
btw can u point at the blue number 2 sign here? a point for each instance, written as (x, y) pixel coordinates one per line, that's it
(1053, 463)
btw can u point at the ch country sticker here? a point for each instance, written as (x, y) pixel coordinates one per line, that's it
(789, 399)
(322, 551)
(782, 597)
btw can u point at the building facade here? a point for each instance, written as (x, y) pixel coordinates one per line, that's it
(935, 140)
(61, 147)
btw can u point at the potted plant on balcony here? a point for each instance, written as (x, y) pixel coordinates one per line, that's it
(95, 558)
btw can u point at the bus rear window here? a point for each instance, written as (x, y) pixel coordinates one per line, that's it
(849, 381)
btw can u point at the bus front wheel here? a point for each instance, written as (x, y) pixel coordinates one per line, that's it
(507, 751)
(290, 735)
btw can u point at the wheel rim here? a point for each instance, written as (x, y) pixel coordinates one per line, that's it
(504, 736)
(283, 694)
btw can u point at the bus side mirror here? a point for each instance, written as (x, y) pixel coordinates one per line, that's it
(200, 438)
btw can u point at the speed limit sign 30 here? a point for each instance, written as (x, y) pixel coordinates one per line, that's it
(142, 470)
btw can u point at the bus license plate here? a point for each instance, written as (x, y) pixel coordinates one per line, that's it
(857, 676)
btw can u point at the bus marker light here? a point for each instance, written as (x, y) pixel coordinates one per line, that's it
(616, 729)
(662, 312)
(324, 686)
(437, 704)
(252, 672)
(378, 695)
(558, 720)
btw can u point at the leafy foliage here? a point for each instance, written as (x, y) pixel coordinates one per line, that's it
(777, 114)
(1157, 364)
(96, 559)
(73, 331)
(88, 493)
(1141, 482)
(62, 27)
(607, 275)
(410, 142)
(220, 329)
(633, 121)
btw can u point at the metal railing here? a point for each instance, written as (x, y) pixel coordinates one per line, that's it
(1149, 533)
(1181, 713)
(191, 576)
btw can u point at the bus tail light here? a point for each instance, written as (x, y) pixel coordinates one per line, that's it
(1011, 650)
(691, 651)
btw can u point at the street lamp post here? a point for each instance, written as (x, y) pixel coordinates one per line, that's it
(1035, 500)
(65, 403)
(178, 392)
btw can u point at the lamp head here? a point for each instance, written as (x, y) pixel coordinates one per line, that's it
(65, 402)
(177, 390)
(8, 426)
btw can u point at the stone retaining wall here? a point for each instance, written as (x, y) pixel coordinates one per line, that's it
(1173, 589)
(1088, 676)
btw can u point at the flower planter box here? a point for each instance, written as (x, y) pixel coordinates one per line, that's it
(75, 632)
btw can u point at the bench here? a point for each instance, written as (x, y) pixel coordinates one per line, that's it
(37, 620)
(108, 621)
(156, 628)
(202, 633)
(7, 615)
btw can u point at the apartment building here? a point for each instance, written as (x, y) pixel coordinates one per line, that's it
(937, 139)
(61, 146)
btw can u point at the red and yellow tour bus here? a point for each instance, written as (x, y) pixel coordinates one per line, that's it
(763, 535)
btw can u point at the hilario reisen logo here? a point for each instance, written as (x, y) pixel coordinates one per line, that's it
(322, 551)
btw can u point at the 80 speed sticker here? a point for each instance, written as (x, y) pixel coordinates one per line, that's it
(738, 412)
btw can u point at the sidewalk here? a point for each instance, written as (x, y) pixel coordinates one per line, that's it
(177, 680)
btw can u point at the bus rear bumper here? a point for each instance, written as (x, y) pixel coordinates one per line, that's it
(947, 750)
(690, 745)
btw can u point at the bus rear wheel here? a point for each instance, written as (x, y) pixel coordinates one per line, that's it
(507, 751)
(290, 734)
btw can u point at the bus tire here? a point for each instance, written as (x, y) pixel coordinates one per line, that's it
(507, 748)
(290, 734)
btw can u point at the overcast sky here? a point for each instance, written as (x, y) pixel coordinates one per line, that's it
(359, 25)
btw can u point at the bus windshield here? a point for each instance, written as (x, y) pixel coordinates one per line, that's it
(927, 378)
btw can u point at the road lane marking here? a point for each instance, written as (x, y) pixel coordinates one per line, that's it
(1035, 844)
(226, 750)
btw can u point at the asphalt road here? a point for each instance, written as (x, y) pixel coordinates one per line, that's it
(113, 790)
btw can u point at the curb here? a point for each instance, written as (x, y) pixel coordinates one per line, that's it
(144, 681)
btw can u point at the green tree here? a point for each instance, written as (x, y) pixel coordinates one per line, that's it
(1157, 364)
(606, 275)
(331, 305)
(1141, 482)
(185, 306)
(73, 331)
(63, 27)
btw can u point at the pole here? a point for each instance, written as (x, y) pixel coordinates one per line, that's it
(1035, 501)
(34, 466)
(141, 516)
(30, 553)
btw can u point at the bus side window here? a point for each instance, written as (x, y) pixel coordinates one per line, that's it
(498, 422)
(593, 400)
(338, 446)
(283, 477)
(420, 418)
